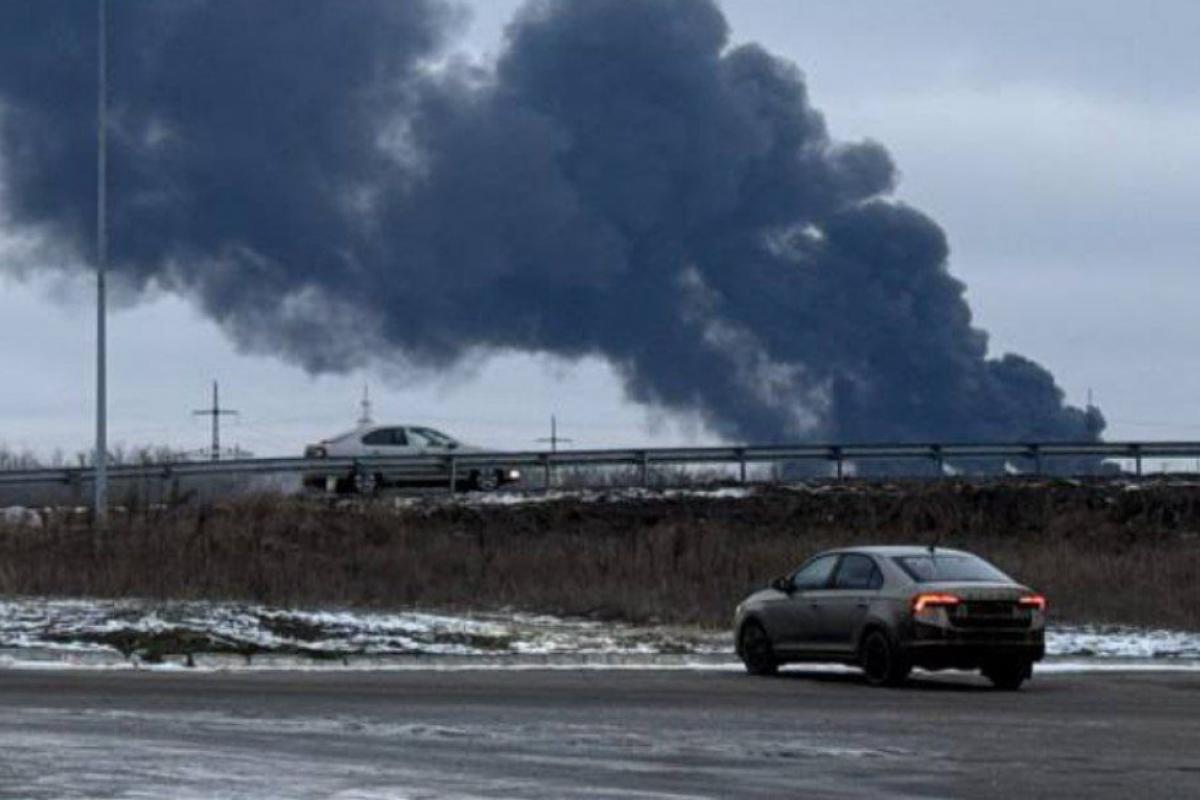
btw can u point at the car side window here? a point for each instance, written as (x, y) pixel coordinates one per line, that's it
(381, 436)
(399, 437)
(857, 572)
(815, 574)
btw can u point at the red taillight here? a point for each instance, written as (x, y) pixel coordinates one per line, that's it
(924, 601)
(1033, 601)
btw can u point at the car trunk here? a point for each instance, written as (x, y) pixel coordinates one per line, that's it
(985, 606)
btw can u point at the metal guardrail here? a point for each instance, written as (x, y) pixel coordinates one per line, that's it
(458, 464)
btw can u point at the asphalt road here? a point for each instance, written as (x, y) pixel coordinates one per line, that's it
(593, 733)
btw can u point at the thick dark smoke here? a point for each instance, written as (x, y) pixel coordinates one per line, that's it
(328, 183)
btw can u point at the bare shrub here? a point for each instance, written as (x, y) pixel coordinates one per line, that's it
(1101, 553)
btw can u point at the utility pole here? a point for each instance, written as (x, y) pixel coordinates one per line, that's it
(216, 412)
(365, 417)
(100, 484)
(554, 438)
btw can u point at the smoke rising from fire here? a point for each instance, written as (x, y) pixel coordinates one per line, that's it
(329, 183)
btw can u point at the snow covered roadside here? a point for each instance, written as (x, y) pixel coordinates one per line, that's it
(150, 631)
(114, 633)
(599, 496)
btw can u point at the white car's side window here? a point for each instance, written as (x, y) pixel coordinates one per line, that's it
(386, 437)
(383, 436)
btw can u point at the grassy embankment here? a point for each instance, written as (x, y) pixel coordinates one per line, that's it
(1102, 553)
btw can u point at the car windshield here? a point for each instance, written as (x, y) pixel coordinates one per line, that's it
(434, 438)
(933, 568)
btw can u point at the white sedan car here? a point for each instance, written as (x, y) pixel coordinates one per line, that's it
(400, 441)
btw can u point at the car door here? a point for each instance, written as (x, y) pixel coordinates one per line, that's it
(391, 442)
(427, 442)
(791, 617)
(844, 606)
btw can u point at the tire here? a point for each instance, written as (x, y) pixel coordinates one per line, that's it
(485, 481)
(756, 650)
(366, 483)
(881, 662)
(1008, 677)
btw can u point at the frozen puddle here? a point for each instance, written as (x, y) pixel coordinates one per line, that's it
(236, 635)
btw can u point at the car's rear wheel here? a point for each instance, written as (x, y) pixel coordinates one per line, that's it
(756, 650)
(366, 483)
(1009, 675)
(485, 481)
(881, 662)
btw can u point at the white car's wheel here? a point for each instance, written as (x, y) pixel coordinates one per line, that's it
(485, 481)
(366, 483)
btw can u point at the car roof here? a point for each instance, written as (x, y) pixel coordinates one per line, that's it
(897, 550)
(365, 429)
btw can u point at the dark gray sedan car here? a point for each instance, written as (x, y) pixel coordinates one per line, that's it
(889, 609)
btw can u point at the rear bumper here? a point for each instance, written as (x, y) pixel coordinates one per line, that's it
(944, 648)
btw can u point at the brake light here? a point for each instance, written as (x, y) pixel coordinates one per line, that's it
(1033, 601)
(927, 600)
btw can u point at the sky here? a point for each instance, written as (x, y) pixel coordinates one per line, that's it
(1056, 142)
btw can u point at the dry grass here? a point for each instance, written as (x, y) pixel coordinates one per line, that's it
(1102, 554)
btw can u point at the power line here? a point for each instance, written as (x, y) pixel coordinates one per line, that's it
(216, 412)
(554, 438)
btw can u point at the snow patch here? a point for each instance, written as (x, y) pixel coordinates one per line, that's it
(20, 515)
(107, 632)
(615, 495)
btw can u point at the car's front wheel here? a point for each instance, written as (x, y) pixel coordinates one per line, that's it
(756, 650)
(1009, 675)
(882, 663)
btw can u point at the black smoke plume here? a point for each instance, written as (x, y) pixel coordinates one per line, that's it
(327, 180)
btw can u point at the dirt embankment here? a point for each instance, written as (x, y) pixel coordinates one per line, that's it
(1103, 552)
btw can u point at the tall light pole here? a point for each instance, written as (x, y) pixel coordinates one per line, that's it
(100, 501)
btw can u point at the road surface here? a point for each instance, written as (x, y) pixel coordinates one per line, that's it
(592, 733)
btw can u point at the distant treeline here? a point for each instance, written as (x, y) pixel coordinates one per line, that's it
(119, 455)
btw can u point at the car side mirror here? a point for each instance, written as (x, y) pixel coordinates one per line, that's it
(783, 584)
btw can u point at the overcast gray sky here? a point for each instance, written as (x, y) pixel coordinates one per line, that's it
(1058, 143)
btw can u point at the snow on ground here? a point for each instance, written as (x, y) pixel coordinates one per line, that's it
(150, 630)
(611, 495)
(20, 515)
(109, 631)
(1098, 641)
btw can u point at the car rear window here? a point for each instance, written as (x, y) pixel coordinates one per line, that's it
(934, 568)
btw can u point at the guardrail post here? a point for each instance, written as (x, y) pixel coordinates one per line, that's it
(645, 467)
(163, 481)
(938, 458)
(1137, 458)
(547, 476)
(75, 482)
(742, 464)
(453, 473)
(839, 462)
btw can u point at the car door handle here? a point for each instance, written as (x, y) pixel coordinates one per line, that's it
(862, 605)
